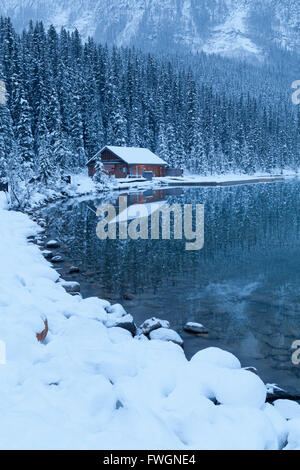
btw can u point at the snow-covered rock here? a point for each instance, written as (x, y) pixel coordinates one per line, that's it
(152, 324)
(165, 334)
(288, 409)
(42, 223)
(142, 337)
(126, 322)
(57, 259)
(239, 388)
(293, 439)
(70, 286)
(116, 310)
(279, 424)
(47, 254)
(216, 357)
(52, 244)
(119, 335)
(74, 270)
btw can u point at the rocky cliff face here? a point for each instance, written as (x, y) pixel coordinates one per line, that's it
(229, 27)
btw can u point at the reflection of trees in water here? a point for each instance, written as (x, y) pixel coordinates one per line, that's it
(250, 230)
(242, 285)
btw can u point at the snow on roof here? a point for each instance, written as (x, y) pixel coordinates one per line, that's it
(134, 155)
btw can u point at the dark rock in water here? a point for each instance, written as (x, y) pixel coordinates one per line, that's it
(57, 259)
(196, 328)
(128, 297)
(74, 270)
(275, 393)
(90, 273)
(52, 244)
(47, 254)
(152, 324)
(42, 223)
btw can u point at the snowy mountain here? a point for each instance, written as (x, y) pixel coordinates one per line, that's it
(228, 27)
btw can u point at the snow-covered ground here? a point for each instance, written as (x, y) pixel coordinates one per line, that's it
(80, 185)
(91, 385)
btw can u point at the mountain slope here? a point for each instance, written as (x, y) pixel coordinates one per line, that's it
(228, 27)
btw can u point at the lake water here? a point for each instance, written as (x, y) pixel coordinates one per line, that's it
(244, 285)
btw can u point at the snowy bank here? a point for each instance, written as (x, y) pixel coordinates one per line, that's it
(88, 386)
(37, 195)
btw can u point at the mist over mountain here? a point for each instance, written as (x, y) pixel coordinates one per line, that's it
(234, 28)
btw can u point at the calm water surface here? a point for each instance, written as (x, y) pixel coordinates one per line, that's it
(244, 285)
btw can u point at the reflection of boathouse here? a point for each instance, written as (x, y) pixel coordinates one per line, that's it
(149, 196)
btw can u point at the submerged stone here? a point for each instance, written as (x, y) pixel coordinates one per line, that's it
(57, 259)
(52, 244)
(74, 270)
(196, 328)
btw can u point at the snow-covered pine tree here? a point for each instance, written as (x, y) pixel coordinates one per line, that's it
(24, 133)
(45, 167)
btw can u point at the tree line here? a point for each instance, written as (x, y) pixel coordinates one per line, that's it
(66, 99)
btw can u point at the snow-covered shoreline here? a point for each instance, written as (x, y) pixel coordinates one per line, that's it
(83, 185)
(89, 386)
(197, 180)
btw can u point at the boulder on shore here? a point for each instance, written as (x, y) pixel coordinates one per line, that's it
(152, 324)
(126, 322)
(71, 287)
(165, 334)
